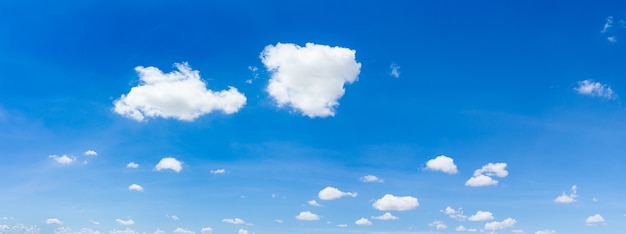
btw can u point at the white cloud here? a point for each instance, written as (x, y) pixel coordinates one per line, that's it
(507, 223)
(594, 220)
(279, 220)
(218, 171)
(169, 163)
(481, 216)
(611, 39)
(343, 225)
(20, 228)
(442, 163)
(567, 198)
(132, 165)
(480, 181)
(371, 178)
(455, 214)
(183, 231)
(363, 222)
(91, 153)
(180, 94)
(310, 79)
(314, 203)
(173, 217)
(391, 202)
(595, 89)
(234, 221)
(125, 222)
(206, 230)
(135, 187)
(608, 24)
(54, 221)
(594, 199)
(159, 231)
(307, 215)
(439, 225)
(331, 193)
(125, 231)
(66, 160)
(395, 70)
(546, 232)
(386, 216)
(460, 228)
(243, 231)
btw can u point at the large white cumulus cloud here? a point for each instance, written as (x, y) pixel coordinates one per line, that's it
(180, 94)
(391, 202)
(310, 79)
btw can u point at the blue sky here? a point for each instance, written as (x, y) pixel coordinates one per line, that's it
(312, 117)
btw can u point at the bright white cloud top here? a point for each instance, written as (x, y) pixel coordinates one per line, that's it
(183, 231)
(180, 94)
(483, 177)
(64, 159)
(332, 193)
(91, 153)
(481, 216)
(493, 226)
(547, 231)
(127, 222)
(595, 89)
(243, 231)
(309, 79)
(135, 187)
(314, 203)
(307, 216)
(54, 221)
(398, 203)
(234, 221)
(385, 216)
(169, 163)
(438, 224)
(454, 214)
(567, 198)
(442, 163)
(218, 171)
(371, 179)
(595, 220)
(363, 222)
(132, 165)
(206, 230)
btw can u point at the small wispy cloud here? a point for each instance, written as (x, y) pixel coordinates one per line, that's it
(132, 165)
(125, 222)
(331, 193)
(385, 216)
(395, 70)
(90, 153)
(567, 198)
(595, 89)
(363, 222)
(607, 24)
(54, 221)
(234, 221)
(595, 220)
(371, 179)
(439, 225)
(218, 171)
(454, 214)
(314, 203)
(64, 159)
(135, 187)
(307, 216)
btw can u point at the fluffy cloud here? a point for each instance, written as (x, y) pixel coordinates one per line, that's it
(331, 193)
(391, 202)
(135, 187)
(183, 231)
(243, 231)
(314, 203)
(169, 163)
(90, 153)
(455, 214)
(442, 163)
(310, 79)
(173, 217)
(481, 216)
(395, 70)
(567, 198)
(125, 222)
(234, 221)
(54, 221)
(482, 177)
(439, 225)
(594, 220)
(507, 223)
(65, 160)
(546, 232)
(132, 165)
(307, 215)
(125, 231)
(180, 94)
(19, 228)
(363, 222)
(386, 216)
(595, 89)
(218, 171)
(371, 178)
(343, 225)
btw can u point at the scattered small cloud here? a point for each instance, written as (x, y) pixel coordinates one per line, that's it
(125, 222)
(611, 39)
(90, 153)
(64, 159)
(371, 179)
(218, 171)
(243, 231)
(125, 231)
(460, 228)
(180, 94)
(480, 181)
(173, 217)
(594, 199)
(132, 165)
(567, 198)
(314, 203)
(400, 203)
(607, 24)
(183, 231)
(507, 223)
(343, 225)
(309, 79)
(594, 220)
(363, 222)
(442, 163)
(206, 230)
(255, 72)
(546, 232)
(279, 220)
(169, 163)
(234, 221)
(135, 187)
(307, 216)
(481, 216)
(595, 89)
(482, 177)
(385, 216)
(54, 221)
(94, 222)
(439, 225)
(454, 214)
(331, 193)
(395, 70)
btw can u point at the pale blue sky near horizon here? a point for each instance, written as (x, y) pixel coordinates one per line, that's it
(304, 115)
